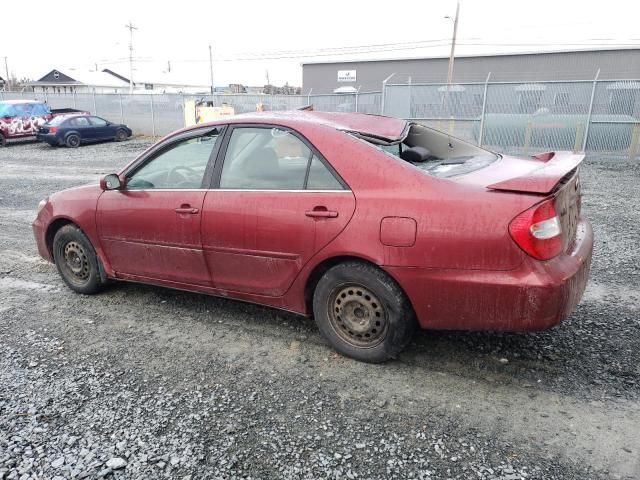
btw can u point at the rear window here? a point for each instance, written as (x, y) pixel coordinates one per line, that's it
(437, 153)
(55, 121)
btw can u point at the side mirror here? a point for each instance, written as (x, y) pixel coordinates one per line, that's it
(111, 182)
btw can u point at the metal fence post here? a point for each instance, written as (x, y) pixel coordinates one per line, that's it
(95, 108)
(357, 93)
(484, 110)
(588, 124)
(384, 92)
(121, 109)
(309, 96)
(153, 119)
(74, 98)
(184, 107)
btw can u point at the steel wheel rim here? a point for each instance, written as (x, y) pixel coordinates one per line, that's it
(76, 262)
(73, 141)
(358, 316)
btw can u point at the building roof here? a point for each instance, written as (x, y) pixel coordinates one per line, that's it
(155, 77)
(491, 54)
(74, 77)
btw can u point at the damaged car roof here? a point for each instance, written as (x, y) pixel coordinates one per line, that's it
(376, 126)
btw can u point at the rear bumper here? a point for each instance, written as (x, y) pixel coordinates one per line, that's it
(48, 138)
(535, 296)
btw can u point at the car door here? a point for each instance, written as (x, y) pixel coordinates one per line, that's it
(275, 203)
(151, 228)
(81, 125)
(101, 129)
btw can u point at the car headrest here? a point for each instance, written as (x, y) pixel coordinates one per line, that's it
(415, 154)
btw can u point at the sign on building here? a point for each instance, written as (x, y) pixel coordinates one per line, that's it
(346, 75)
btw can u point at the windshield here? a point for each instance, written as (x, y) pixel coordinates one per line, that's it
(438, 153)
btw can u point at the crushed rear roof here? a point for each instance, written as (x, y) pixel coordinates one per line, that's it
(387, 128)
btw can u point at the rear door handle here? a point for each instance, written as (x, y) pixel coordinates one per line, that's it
(187, 209)
(321, 213)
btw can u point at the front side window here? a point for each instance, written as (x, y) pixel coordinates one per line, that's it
(181, 166)
(97, 122)
(273, 159)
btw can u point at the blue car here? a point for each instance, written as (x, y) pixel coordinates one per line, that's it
(73, 130)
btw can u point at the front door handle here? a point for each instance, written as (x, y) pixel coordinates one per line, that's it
(187, 209)
(321, 212)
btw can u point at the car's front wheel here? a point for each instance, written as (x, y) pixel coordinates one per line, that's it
(76, 260)
(362, 312)
(121, 135)
(72, 140)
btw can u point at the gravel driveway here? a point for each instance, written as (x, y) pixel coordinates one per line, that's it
(146, 382)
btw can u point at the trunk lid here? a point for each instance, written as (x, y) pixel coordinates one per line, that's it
(539, 174)
(546, 175)
(549, 170)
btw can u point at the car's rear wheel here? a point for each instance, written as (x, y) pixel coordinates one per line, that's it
(362, 312)
(121, 135)
(76, 260)
(72, 140)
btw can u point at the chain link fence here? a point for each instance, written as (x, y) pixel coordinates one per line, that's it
(600, 117)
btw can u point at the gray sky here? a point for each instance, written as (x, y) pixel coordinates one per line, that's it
(38, 36)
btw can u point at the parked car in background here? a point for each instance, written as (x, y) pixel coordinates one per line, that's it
(371, 224)
(73, 130)
(23, 118)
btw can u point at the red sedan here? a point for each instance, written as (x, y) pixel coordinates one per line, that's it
(373, 225)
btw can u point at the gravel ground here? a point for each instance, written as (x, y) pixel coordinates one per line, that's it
(146, 382)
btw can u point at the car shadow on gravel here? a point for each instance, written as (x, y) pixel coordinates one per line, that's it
(590, 355)
(593, 354)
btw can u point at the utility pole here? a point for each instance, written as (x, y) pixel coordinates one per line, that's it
(6, 68)
(211, 68)
(453, 43)
(131, 29)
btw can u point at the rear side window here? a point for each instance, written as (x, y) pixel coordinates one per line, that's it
(320, 178)
(273, 159)
(264, 159)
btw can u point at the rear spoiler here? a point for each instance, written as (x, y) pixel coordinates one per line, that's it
(554, 167)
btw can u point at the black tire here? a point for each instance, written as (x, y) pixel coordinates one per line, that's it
(76, 260)
(3, 141)
(362, 312)
(72, 140)
(121, 135)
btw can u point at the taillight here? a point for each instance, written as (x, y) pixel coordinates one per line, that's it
(53, 129)
(537, 231)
